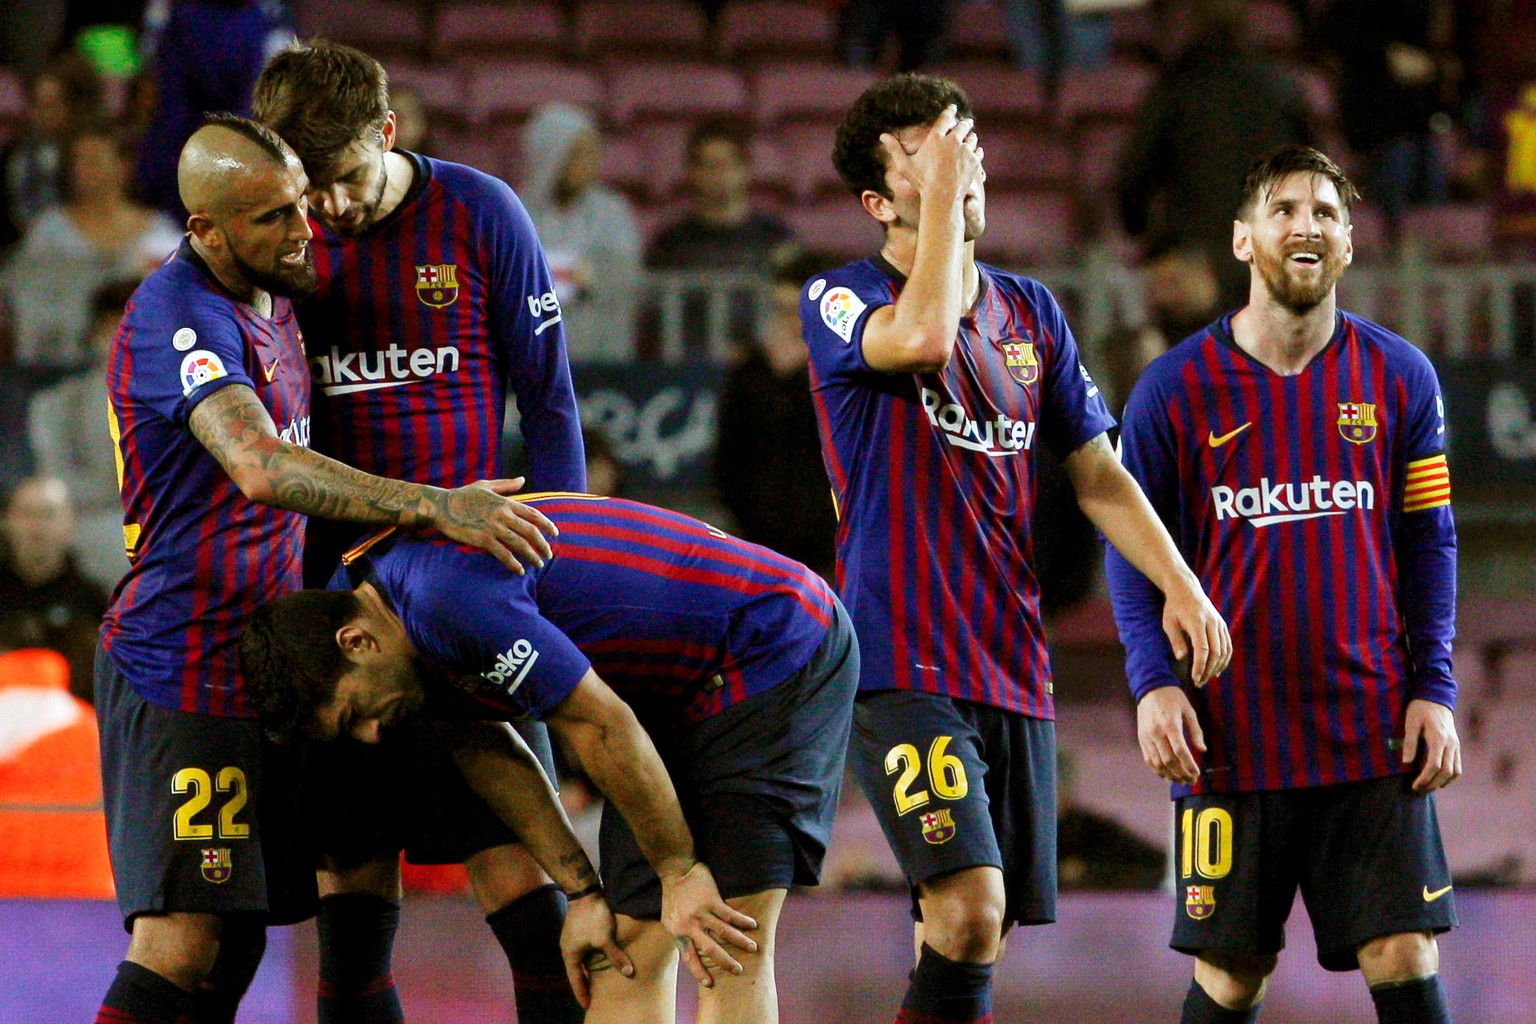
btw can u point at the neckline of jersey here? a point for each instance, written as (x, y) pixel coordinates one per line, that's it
(1221, 330)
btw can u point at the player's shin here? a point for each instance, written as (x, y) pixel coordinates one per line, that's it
(140, 996)
(944, 991)
(528, 929)
(1421, 1001)
(357, 984)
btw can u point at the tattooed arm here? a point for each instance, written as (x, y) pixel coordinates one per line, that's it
(1113, 499)
(238, 431)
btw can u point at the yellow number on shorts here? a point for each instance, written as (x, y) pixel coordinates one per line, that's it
(946, 771)
(232, 778)
(1207, 843)
(904, 758)
(196, 781)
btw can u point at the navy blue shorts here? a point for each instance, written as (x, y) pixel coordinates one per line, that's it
(959, 785)
(371, 801)
(201, 811)
(758, 784)
(1366, 856)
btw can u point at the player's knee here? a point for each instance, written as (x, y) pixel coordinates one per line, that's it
(501, 875)
(377, 877)
(967, 930)
(181, 948)
(241, 946)
(1235, 980)
(1406, 956)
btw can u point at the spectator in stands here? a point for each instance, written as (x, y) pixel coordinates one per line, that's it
(1093, 850)
(70, 439)
(767, 461)
(720, 231)
(97, 235)
(921, 28)
(606, 474)
(1398, 77)
(45, 601)
(32, 163)
(588, 232)
(1213, 110)
(206, 59)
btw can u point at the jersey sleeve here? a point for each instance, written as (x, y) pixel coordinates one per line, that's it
(530, 340)
(185, 346)
(1074, 412)
(834, 310)
(1149, 455)
(1425, 540)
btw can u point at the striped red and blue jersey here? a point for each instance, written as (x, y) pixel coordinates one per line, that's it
(933, 476)
(1316, 510)
(202, 555)
(680, 619)
(420, 324)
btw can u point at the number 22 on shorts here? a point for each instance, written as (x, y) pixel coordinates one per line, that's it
(946, 774)
(202, 786)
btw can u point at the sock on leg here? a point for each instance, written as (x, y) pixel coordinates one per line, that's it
(1200, 1008)
(357, 936)
(1413, 1002)
(944, 991)
(140, 996)
(528, 929)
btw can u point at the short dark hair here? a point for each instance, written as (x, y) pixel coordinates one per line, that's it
(290, 660)
(728, 129)
(322, 97)
(1278, 164)
(257, 132)
(902, 101)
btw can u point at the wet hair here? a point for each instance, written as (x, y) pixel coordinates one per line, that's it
(257, 132)
(322, 97)
(1278, 164)
(290, 660)
(902, 101)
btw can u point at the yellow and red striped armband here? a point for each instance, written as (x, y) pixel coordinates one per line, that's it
(1429, 484)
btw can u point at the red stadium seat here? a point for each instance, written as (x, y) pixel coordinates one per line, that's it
(382, 29)
(1021, 157)
(1029, 229)
(441, 87)
(674, 90)
(644, 27)
(627, 166)
(807, 92)
(838, 227)
(512, 91)
(1317, 88)
(493, 151)
(1099, 149)
(1458, 232)
(500, 29)
(773, 178)
(775, 30)
(979, 31)
(808, 154)
(1368, 232)
(1105, 93)
(1000, 94)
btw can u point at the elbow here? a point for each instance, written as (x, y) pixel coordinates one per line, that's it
(924, 351)
(255, 484)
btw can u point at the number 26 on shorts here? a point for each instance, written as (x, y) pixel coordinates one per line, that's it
(946, 774)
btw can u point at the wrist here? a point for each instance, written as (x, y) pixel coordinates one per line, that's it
(594, 889)
(676, 870)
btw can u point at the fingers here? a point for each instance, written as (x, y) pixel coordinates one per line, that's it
(1196, 734)
(690, 958)
(1442, 764)
(731, 916)
(577, 976)
(620, 959)
(503, 487)
(1411, 743)
(524, 524)
(704, 945)
(1199, 667)
(538, 520)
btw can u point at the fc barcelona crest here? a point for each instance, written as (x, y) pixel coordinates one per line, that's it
(437, 285)
(938, 827)
(1357, 422)
(1200, 901)
(1022, 364)
(217, 864)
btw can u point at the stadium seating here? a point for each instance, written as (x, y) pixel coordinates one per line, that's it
(777, 30)
(978, 32)
(1453, 232)
(1110, 92)
(808, 152)
(499, 29)
(1029, 229)
(1001, 95)
(385, 30)
(837, 227)
(605, 28)
(819, 93)
(669, 91)
(511, 91)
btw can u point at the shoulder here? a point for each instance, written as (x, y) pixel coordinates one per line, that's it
(838, 298)
(467, 184)
(1401, 356)
(1167, 374)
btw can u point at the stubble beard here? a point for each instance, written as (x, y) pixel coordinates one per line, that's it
(1297, 296)
(292, 282)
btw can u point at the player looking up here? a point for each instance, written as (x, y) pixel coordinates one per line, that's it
(935, 377)
(1297, 452)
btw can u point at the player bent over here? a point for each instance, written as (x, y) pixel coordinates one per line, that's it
(705, 685)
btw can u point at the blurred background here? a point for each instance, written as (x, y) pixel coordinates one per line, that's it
(675, 156)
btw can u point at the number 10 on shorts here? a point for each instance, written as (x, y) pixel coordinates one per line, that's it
(1206, 842)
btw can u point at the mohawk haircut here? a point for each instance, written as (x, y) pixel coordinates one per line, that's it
(902, 101)
(322, 97)
(1278, 164)
(257, 132)
(290, 660)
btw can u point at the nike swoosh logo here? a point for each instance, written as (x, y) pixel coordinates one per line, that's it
(1217, 442)
(1430, 897)
(270, 371)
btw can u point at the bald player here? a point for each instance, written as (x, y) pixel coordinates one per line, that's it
(210, 414)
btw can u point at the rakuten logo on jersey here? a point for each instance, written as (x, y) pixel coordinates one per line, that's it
(1268, 504)
(512, 665)
(996, 437)
(340, 373)
(296, 432)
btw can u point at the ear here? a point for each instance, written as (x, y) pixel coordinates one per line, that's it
(389, 131)
(1242, 241)
(1349, 243)
(878, 207)
(205, 231)
(354, 640)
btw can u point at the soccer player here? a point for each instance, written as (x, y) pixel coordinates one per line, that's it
(739, 663)
(209, 412)
(1298, 454)
(433, 299)
(935, 377)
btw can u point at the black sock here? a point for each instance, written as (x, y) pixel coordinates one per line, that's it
(1412, 1002)
(357, 936)
(140, 996)
(1200, 1008)
(944, 991)
(528, 929)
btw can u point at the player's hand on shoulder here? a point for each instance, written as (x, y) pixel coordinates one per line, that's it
(1170, 735)
(698, 918)
(1196, 630)
(1430, 732)
(484, 515)
(588, 943)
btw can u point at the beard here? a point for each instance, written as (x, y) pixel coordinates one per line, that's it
(367, 212)
(1298, 296)
(287, 280)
